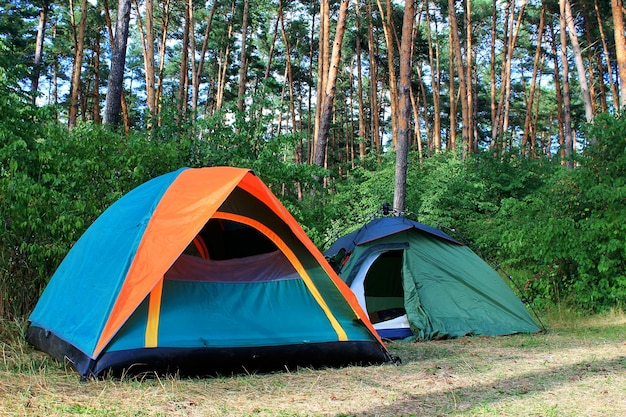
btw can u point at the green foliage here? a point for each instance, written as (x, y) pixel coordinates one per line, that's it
(564, 229)
(358, 198)
(20, 131)
(570, 233)
(462, 196)
(54, 183)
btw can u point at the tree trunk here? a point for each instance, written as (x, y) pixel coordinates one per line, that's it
(192, 53)
(592, 56)
(505, 73)
(149, 59)
(118, 62)
(456, 45)
(607, 55)
(348, 116)
(359, 78)
(451, 142)
(617, 8)
(147, 44)
(387, 17)
(96, 80)
(533, 83)
(492, 77)
(55, 78)
(41, 30)
(243, 61)
(329, 93)
(223, 63)
(322, 73)
(311, 120)
(404, 107)
(165, 20)
(535, 122)
(578, 59)
(78, 64)
(374, 110)
(417, 136)
(205, 42)
(270, 54)
(511, 47)
(559, 95)
(567, 110)
(288, 69)
(183, 75)
(433, 60)
(471, 145)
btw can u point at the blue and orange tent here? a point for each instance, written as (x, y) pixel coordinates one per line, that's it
(199, 271)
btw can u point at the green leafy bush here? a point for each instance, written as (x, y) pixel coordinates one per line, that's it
(54, 183)
(570, 233)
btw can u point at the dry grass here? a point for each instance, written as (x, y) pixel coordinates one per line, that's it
(577, 369)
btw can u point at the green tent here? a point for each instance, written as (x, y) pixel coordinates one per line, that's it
(416, 281)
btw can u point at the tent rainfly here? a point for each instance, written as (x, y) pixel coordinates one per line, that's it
(416, 281)
(199, 271)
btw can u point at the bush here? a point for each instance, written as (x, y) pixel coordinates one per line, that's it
(54, 183)
(570, 233)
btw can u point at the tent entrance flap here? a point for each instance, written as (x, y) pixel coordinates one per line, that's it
(379, 286)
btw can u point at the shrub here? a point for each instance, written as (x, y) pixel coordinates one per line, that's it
(570, 233)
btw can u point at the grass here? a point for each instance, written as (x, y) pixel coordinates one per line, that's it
(577, 368)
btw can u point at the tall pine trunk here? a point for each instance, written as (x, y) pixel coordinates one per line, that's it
(359, 75)
(461, 74)
(607, 55)
(224, 62)
(192, 53)
(617, 8)
(113, 102)
(492, 76)
(374, 106)
(567, 108)
(578, 59)
(183, 75)
(388, 29)
(433, 60)
(243, 61)
(558, 91)
(78, 64)
(96, 80)
(165, 20)
(322, 73)
(196, 80)
(146, 29)
(329, 93)
(39, 42)
(471, 145)
(404, 107)
(533, 82)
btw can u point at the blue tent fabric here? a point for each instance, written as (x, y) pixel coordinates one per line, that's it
(102, 254)
(379, 228)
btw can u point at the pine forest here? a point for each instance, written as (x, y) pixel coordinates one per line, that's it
(498, 121)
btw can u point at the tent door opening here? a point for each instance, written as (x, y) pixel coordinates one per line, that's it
(380, 292)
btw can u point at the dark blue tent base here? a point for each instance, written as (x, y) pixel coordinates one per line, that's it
(210, 361)
(392, 334)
